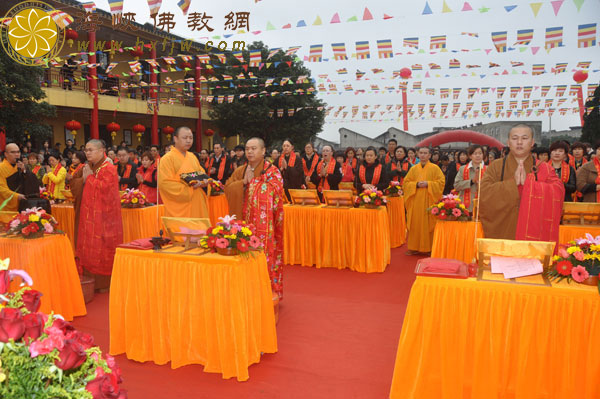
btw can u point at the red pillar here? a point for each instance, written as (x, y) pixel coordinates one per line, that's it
(197, 87)
(581, 105)
(404, 109)
(153, 95)
(93, 85)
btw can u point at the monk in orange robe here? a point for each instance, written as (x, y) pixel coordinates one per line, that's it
(520, 200)
(9, 167)
(181, 199)
(423, 186)
(100, 224)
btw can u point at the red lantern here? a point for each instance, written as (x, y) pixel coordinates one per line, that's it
(168, 131)
(71, 35)
(137, 52)
(113, 128)
(209, 132)
(73, 126)
(405, 73)
(185, 64)
(139, 129)
(580, 76)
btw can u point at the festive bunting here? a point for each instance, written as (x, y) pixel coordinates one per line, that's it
(444, 93)
(335, 19)
(433, 65)
(500, 91)
(515, 64)
(560, 90)
(61, 18)
(578, 4)
(510, 8)
(359, 74)
(454, 63)
(255, 58)
(560, 67)
(342, 71)
(535, 7)
(524, 37)
(184, 5)
(445, 7)
(362, 50)
(292, 50)
(411, 42)
(500, 39)
(384, 48)
(301, 24)
(135, 66)
(427, 9)
(538, 69)
(553, 37)
(339, 51)
(467, 7)
(456, 92)
(154, 6)
(116, 8)
(437, 42)
(89, 6)
(367, 15)
(316, 53)
(417, 67)
(586, 35)
(556, 4)
(583, 64)
(591, 89)
(272, 52)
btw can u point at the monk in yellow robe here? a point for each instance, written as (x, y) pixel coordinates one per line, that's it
(181, 199)
(8, 167)
(423, 186)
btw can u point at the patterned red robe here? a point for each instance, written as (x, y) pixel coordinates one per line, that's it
(100, 224)
(263, 207)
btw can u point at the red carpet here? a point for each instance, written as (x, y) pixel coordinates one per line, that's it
(337, 334)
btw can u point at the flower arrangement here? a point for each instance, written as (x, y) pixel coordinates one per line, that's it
(450, 207)
(231, 237)
(32, 223)
(133, 198)
(394, 189)
(216, 187)
(43, 356)
(370, 199)
(45, 194)
(579, 260)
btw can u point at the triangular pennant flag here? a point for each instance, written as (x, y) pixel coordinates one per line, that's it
(270, 26)
(467, 7)
(352, 19)
(578, 4)
(385, 16)
(367, 15)
(300, 24)
(534, 50)
(522, 49)
(287, 26)
(445, 7)
(535, 7)
(335, 19)
(427, 9)
(484, 9)
(556, 4)
(509, 8)
(318, 21)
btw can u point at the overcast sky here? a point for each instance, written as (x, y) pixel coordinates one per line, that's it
(408, 21)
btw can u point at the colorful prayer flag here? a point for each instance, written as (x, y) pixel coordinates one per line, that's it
(255, 58)
(384, 48)
(560, 90)
(417, 67)
(116, 7)
(342, 71)
(339, 51)
(154, 6)
(411, 42)
(272, 52)
(591, 89)
(316, 53)
(500, 91)
(444, 93)
(470, 34)
(135, 66)
(500, 41)
(89, 6)
(586, 35)
(538, 69)
(516, 64)
(433, 65)
(554, 37)
(61, 18)
(362, 50)
(456, 93)
(454, 63)
(471, 92)
(292, 50)
(584, 64)
(437, 42)
(359, 74)
(527, 91)
(524, 37)
(203, 58)
(184, 5)
(545, 90)
(560, 67)
(514, 91)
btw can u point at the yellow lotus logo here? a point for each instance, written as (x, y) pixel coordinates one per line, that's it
(32, 33)
(32, 36)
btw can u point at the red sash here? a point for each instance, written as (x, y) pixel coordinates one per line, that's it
(565, 171)
(572, 162)
(353, 163)
(221, 171)
(404, 167)
(126, 175)
(314, 162)
(291, 162)
(388, 157)
(597, 165)
(36, 169)
(72, 170)
(324, 183)
(52, 185)
(376, 174)
(467, 196)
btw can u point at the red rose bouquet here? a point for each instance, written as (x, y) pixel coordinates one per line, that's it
(32, 223)
(394, 189)
(450, 207)
(579, 260)
(216, 187)
(370, 199)
(133, 198)
(231, 237)
(43, 356)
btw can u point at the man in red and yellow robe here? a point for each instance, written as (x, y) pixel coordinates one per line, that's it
(100, 227)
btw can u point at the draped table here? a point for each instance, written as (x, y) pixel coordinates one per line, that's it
(397, 218)
(321, 236)
(188, 309)
(218, 207)
(50, 262)
(137, 222)
(455, 240)
(493, 339)
(568, 232)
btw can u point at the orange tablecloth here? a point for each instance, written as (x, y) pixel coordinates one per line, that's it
(476, 339)
(51, 264)
(137, 222)
(187, 309)
(218, 207)
(397, 217)
(455, 240)
(353, 238)
(567, 233)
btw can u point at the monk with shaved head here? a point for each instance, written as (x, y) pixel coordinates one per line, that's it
(9, 168)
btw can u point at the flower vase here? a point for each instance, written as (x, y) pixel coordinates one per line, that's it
(37, 234)
(228, 251)
(371, 206)
(591, 280)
